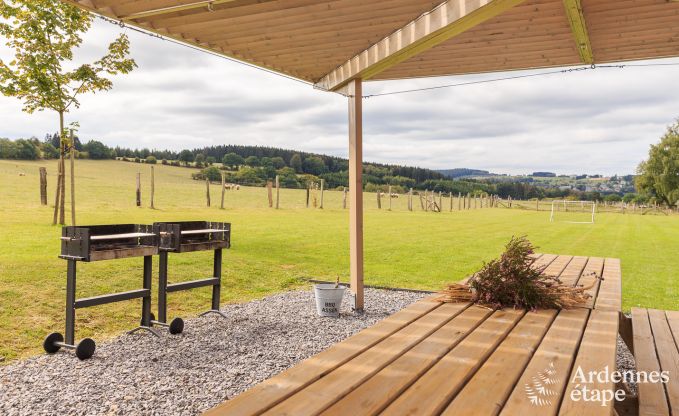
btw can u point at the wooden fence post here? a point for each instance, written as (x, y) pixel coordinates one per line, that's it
(322, 189)
(459, 201)
(221, 206)
(269, 192)
(389, 197)
(207, 190)
(410, 199)
(278, 190)
(43, 186)
(537, 204)
(440, 201)
(138, 189)
(307, 195)
(379, 202)
(344, 198)
(451, 201)
(153, 187)
(421, 200)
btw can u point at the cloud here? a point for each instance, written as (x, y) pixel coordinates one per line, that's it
(598, 121)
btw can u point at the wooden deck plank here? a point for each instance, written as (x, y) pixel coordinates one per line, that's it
(652, 399)
(556, 267)
(272, 391)
(597, 352)
(593, 269)
(502, 368)
(610, 290)
(555, 354)
(432, 392)
(571, 274)
(380, 390)
(668, 355)
(335, 385)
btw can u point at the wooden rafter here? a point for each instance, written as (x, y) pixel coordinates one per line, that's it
(449, 19)
(577, 21)
(207, 5)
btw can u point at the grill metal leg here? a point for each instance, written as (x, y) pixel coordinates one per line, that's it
(162, 286)
(146, 300)
(70, 302)
(216, 289)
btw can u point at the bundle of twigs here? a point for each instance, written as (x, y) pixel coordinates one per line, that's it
(514, 281)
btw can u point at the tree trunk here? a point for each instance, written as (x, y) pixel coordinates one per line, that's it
(57, 193)
(61, 183)
(72, 180)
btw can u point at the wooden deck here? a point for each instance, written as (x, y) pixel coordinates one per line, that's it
(458, 359)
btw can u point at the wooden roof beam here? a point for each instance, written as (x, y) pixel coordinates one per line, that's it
(207, 4)
(449, 19)
(577, 21)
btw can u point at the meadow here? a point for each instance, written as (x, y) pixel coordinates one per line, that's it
(274, 250)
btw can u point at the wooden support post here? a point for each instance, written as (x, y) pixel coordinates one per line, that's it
(322, 189)
(138, 189)
(389, 196)
(269, 191)
(355, 91)
(379, 202)
(72, 180)
(43, 186)
(207, 191)
(221, 206)
(278, 190)
(153, 187)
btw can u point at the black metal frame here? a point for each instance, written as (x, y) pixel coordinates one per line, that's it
(184, 237)
(78, 244)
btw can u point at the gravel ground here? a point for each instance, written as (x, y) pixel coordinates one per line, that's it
(214, 359)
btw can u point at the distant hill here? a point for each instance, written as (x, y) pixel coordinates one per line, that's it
(464, 172)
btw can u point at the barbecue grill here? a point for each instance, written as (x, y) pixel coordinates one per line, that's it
(185, 237)
(96, 243)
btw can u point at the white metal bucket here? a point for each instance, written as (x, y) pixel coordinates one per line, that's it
(328, 299)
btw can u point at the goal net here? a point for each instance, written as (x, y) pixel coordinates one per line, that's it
(574, 212)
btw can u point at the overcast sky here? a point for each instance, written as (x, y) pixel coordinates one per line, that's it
(598, 121)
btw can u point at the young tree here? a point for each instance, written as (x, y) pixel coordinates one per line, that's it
(43, 34)
(659, 175)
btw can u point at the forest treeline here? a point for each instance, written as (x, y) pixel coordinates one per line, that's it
(254, 165)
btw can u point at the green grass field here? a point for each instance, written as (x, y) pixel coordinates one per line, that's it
(273, 249)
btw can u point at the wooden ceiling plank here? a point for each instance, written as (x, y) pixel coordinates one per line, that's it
(450, 19)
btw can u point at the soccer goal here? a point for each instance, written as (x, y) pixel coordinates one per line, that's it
(574, 212)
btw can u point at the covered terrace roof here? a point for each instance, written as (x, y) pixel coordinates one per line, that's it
(331, 42)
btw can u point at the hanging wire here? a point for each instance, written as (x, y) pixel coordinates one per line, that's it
(382, 94)
(538, 74)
